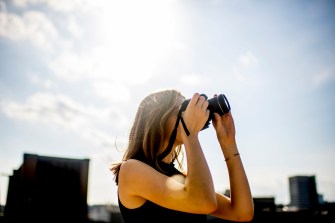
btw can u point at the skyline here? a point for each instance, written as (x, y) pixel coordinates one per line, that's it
(296, 183)
(72, 74)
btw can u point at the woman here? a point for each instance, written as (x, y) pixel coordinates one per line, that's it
(151, 189)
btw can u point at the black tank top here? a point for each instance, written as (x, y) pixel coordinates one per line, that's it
(150, 212)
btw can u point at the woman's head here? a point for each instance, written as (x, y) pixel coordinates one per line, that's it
(151, 128)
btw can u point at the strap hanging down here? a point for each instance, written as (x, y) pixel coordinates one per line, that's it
(171, 142)
(173, 136)
(184, 125)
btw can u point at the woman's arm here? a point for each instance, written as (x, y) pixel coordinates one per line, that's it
(139, 182)
(240, 205)
(199, 179)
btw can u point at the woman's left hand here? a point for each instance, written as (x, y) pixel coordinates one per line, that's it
(225, 129)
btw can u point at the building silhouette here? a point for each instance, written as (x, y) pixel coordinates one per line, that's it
(48, 189)
(303, 192)
(304, 205)
(53, 189)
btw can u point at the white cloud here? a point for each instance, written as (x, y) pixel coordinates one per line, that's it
(59, 5)
(73, 67)
(32, 26)
(59, 110)
(12, 26)
(38, 81)
(85, 6)
(55, 109)
(74, 27)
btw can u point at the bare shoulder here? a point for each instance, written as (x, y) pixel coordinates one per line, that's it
(133, 162)
(134, 172)
(132, 166)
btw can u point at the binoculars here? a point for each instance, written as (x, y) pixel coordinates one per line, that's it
(218, 104)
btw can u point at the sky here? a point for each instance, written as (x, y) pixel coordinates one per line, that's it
(72, 74)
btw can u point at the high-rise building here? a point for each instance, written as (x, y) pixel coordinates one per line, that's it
(303, 192)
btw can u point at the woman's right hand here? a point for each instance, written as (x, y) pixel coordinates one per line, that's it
(225, 127)
(196, 114)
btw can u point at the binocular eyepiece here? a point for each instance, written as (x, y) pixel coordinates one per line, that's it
(218, 104)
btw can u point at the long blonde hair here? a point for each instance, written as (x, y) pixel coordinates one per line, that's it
(148, 132)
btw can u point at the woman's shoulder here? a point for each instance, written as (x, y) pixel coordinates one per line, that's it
(132, 173)
(133, 166)
(132, 163)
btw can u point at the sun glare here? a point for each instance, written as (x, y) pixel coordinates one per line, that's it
(135, 34)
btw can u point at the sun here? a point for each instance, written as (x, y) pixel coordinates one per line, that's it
(135, 35)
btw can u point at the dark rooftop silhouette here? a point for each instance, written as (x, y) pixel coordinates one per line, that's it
(54, 189)
(48, 189)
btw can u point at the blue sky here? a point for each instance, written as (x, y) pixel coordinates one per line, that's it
(72, 74)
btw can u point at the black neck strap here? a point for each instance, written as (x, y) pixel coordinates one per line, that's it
(173, 137)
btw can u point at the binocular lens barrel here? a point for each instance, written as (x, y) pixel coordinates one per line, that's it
(219, 104)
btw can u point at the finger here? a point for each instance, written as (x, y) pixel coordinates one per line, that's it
(228, 119)
(229, 116)
(201, 101)
(194, 98)
(205, 105)
(217, 122)
(217, 118)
